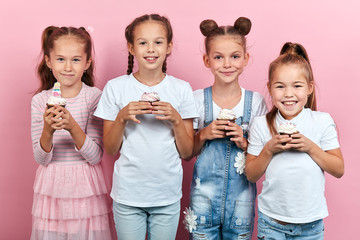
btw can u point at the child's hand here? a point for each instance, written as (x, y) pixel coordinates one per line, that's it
(216, 129)
(300, 143)
(167, 111)
(237, 134)
(279, 143)
(132, 109)
(48, 115)
(62, 119)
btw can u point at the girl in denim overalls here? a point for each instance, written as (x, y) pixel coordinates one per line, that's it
(222, 200)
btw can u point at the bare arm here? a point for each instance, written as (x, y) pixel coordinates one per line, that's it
(114, 130)
(183, 128)
(330, 161)
(256, 165)
(213, 131)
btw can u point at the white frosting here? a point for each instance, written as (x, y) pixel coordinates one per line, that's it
(288, 128)
(56, 100)
(227, 114)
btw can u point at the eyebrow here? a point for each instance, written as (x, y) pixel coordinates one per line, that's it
(77, 56)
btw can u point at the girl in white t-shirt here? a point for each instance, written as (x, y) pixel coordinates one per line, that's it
(292, 202)
(152, 137)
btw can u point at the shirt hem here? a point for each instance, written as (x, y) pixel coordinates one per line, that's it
(147, 204)
(294, 220)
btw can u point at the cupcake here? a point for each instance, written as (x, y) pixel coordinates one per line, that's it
(55, 97)
(287, 128)
(227, 114)
(150, 97)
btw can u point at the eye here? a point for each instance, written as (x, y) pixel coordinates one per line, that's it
(60, 59)
(236, 56)
(142, 43)
(279, 86)
(76, 60)
(298, 86)
(158, 42)
(217, 57)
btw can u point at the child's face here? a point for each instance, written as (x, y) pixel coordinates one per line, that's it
(150, 45)
(226, 59)
(67, 61)
(289, 90)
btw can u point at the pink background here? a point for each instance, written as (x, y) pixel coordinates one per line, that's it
(328, 29)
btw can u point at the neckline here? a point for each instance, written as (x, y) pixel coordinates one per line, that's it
(147, 86)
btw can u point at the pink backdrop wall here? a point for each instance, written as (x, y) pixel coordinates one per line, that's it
(328, 29)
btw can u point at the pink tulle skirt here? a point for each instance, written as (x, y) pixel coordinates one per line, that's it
(71, 202)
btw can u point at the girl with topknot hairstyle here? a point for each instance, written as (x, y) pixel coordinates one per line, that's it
(222, 200)
(292, 202)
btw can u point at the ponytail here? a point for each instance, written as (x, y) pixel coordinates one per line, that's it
(291, 53)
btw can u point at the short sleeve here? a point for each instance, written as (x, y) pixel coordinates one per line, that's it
(107, 108)
(187, 106)
(256, 138)
(329, 139)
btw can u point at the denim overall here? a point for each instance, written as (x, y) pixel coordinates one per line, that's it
(222, 200)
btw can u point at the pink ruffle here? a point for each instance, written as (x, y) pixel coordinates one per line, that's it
(70, 208)
(70, 181)
(94, 228)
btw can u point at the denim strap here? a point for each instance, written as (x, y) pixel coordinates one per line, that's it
(208, 105)
(247, 112)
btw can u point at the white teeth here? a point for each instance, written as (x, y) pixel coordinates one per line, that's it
(151, 58)
(289, 103)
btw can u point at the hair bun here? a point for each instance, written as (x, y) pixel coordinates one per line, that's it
(295, 49)
(207, 26)
(243, 25)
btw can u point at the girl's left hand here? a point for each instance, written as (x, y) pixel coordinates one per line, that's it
(237, 134)
(300, 143)
(167, 111)
(62, 119)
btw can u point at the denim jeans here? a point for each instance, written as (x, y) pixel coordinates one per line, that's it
(160, 223)
(222, 201)
(270, 229)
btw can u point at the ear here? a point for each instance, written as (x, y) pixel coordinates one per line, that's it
(47, 61)
(206, 60)
(246, 58)
(130, 48)
(268, 84)
(169, 48)
(88, 64)
(311, 87)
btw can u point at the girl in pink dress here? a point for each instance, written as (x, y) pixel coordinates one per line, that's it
(70, 195)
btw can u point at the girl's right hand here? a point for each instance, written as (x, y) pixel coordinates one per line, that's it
(132, 109)
(48, 114)
(216, 129)
(279, 143)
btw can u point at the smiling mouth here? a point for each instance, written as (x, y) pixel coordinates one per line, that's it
(289, 103)
(228, 73)
(151, 58)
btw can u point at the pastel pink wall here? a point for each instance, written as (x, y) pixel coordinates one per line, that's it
(328, 29)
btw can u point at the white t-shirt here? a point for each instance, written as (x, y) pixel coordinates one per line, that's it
(148, 172)
(294, 185)
(258, 107)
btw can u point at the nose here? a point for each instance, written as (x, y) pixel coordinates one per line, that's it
(67, 66)
(227, 63)
(289, 92)
(150, 48)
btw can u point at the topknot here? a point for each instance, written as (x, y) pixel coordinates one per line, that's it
(243, 25)
(207, 26)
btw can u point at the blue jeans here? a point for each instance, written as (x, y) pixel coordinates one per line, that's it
(160, 223)
(270, 229)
